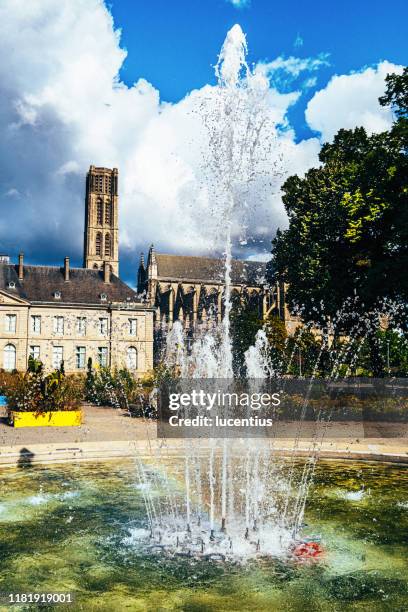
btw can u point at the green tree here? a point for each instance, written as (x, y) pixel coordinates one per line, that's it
(396, 94)
(90, 393)
(348, 224)
(302, 352)
(245, 322)
(394, 347)
(277, 335)
(275, 330)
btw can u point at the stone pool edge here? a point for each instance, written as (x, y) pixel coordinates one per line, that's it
(24, 455)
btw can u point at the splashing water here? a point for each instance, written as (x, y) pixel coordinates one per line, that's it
(257, 358)
(235, 500)
(232, 58)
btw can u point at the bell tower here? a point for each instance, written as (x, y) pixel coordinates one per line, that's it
(101, 240)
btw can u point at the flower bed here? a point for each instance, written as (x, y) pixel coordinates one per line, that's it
(35, 399)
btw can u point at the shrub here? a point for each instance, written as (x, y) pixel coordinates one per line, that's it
(119, 388)
(34, 391)
(6, 380)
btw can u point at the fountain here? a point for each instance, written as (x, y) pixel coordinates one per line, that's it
(239, 498)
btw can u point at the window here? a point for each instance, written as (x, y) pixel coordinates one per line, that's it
(108, 184)
(103, 297)
(9, 358)
(98, 183)
(35, 352)
(57, 295)
(103, 326)
(12, 285)
(133, 327)
(99, 212)
(108, 247)
(80, 357)
(98, 244)
(57, 356)
(11, 323)
(108, 213)
(103, 356)
(36, 324)
(59, 325)
(81, 326)
(132, 358)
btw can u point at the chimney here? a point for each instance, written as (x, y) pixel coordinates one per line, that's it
(21, 266)
(106, 272)
(66, 269)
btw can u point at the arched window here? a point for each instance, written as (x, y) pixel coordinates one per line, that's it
(98, 244)
(99, 212)
(108, 245)
(9, 358)
(132, 358)
(108, 213)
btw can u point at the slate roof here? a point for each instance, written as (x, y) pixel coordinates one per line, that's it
(207, 269)
(84, 287)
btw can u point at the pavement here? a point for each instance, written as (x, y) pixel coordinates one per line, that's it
(107, 433)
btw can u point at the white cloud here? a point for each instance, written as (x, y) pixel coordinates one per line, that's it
(349, 101)
(294, 65)
(284, 72)
(12, 193)
(239, 3)
(64, 108)
(309, 83)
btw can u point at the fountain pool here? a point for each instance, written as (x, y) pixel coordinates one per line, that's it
(81, 527)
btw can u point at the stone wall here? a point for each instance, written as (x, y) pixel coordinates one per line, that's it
(117, 338)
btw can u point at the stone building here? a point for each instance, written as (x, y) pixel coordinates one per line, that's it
(62, 314)
(70, 314)
(190, 289)
(101, 239)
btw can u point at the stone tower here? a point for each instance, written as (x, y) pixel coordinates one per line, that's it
(101, 243)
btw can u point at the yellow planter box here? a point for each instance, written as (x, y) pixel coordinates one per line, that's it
(67, 418)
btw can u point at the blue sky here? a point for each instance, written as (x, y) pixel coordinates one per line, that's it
(73, 92)
(174, 44)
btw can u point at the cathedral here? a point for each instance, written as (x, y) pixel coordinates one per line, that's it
(191, 289)
(64, 314)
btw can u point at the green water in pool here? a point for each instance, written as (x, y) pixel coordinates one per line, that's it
(66, 528)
